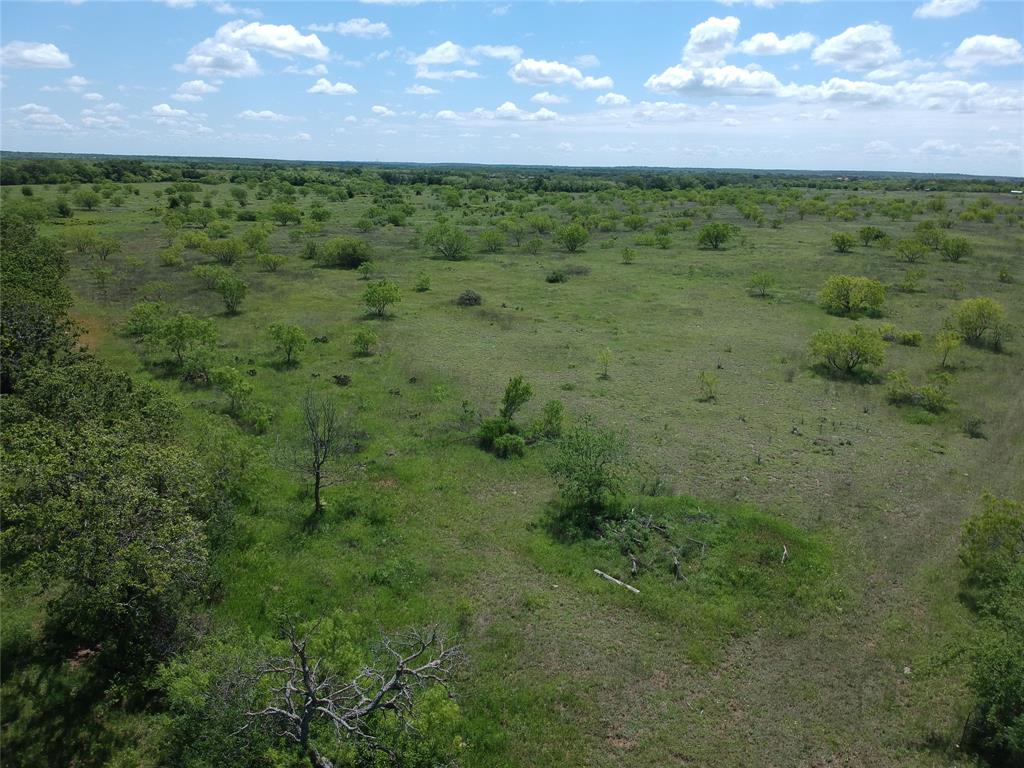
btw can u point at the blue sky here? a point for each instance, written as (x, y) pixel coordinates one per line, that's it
(931, 86)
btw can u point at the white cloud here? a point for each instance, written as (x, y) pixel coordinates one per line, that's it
(76, 83)
(447, 114)
(944, 9)
(586, 61)
(611, 99)
(509, 52)
(731, 122)
(566, 146)
(540, 72)
(426, 73)
(18, 54)
(301, 137)
(166, 110)
(444, 53)
(93, 96)
(770, 44)
(509, 111)
(866, 46)
(326, 87)
(194, 90)
(938, 147)
(500, 10)
(32, 109)
(879, 147)
(228, 52)
(985, 51)
(545, 97)
(381, 111)
(265, 115)
(747, 81)
(659, 111)
(421, 90)
(355, 28)
(711, 40)
(830, 114)
(317, 70)
(42, 118)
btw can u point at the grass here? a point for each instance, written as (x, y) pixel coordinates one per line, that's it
(750, 662)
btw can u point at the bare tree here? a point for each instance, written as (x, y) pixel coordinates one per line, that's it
(309, 693)
(322, 440)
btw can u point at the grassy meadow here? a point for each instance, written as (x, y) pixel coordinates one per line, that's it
(824, 581)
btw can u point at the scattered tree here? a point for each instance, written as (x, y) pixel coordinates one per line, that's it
(289, 340)
(849, 351)
(381, 295)
(714, 235)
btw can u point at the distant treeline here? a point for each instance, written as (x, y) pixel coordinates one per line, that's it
(18, 169)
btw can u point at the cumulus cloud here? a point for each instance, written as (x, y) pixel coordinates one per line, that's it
(421, 90)
(938, 147)
(540, 72)
(770, 44)
(39, 117)
(658, 111)
(426, 73)
(586, 61)
(166, 110)
(18, 54)
(611, 99)
(879, 147)
(355, 28)
(229, 52)
(985, 51)
(711, 40)
(545, 97)
(326, 87)
(93, 96)
(447, 114)
(865, 46)
(381, 111)
(443, 53)
(509, 52)
(944, 9)
(509, 111)
(194, 90)
(264, 115)
(746, 81)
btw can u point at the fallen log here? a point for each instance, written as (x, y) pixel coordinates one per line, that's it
(612, 579)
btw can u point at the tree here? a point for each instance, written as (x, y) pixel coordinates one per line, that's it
(235, 386)
(946, 343)
(323, 438)
(492, 241)
(381, 295)
(849, 351)
(588, 468)
(572, 237)
(849, 296)
(310, 703)
(363, 342)
(232, 290)
(241, 195)
(104, 246)
(956, 248)
(449, 242)
(285, 213)
(869, 235)
(714, 235)
(86, 199)
(911, 250)
(978, 319)
(185, 332)
(517, 394)
(288, 340)
(226, 252)
(843, 242)
(344, 253)
(761, 283)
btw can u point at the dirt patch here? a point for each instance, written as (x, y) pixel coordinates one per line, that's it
(93, 331)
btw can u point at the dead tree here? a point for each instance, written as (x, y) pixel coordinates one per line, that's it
(308, 693)
(323, 440)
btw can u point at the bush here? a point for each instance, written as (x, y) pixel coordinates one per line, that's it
(588, 468)
(714, 235)
(533, 246)
(490, 430)
(363, 343)
(978, 320)
(911, 251)
(572, 237)
(492, 241)
(288, 340)
(549, 425)
(843, 242)
(469, 298)
(956, 248)
(849, 296)
(343, 253)
(422, 283)
(901, 391)
(509, 446)
(232, 290)
(381, 295)
(869, 235)
(517, 394)
(557, 276)
(848, 352)
(449, 242)
(761, 284)
(270, 262)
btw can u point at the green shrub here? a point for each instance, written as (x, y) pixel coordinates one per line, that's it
(509, 446)
(956, 248)
(549, 425)
(714, 235)
(469, 298)
(381, 295)
(343, 253)
(448, 242)
(761, 283)
(517, 394)
(849, 296)
(843, 242)
(422, 283)
(978, 320)
(556, 276)
(491, 429)
(363, 342)
(572, 237)
(492, 241)
(848, 352)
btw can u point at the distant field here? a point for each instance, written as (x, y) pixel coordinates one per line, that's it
(746, 663)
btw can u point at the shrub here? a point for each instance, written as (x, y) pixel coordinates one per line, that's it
(210, 274)
(365, 270)
(533, 245)
(848, 351)
(311, 249)
(849, 296)
(714, 235)
(509, 446)
(956, 248)
(422, 283)
(588, 468)
(572, 237)
(978, 319)
(269, 262)
(628, 255)
(557, 276)
(992, 545)
(911, 250)
(449, 242)
(363, 342)
(226, 252)
(707, 383)
(761, 284)
(900, 391)
(973, 427)
(343, 253)
(946, 343)
(492, 241)
(910, 338)
(490, 430)
(843, 242)
(381, 295)
(288, 340)
(552, 418)
(144, 319)
(232, 290)
(469, 298)
(517, 394)
(869, 235)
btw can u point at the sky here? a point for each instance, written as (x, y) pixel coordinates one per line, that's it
(922, 86)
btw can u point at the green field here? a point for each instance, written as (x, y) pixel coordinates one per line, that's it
(826, 581)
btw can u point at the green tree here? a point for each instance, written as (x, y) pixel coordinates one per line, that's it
(956, 248)
(380, 295)
(572, 237)
(761, 283)
(714, 235)
(344, 253)
(849, 296)
(232, 290)
(978, 319)
(911, 250)
(363, 342)
(492, 241)
(946, 343)
(843, 242)
(185, 333)
(517, 394)
(285, 213)
(849, 351)
(588, 468)
(448, 242)
(86, 199)
(289, 340)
